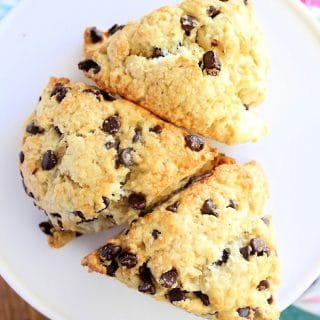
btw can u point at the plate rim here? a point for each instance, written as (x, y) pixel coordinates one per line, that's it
(20, 287)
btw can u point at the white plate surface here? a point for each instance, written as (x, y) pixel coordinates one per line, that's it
(44, 38)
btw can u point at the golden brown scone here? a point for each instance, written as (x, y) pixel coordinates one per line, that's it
(199, 64)
(87, 157)
(209, 250)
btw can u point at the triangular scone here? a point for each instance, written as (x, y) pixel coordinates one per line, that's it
(209, 250)
(200, 64)
(87, 157)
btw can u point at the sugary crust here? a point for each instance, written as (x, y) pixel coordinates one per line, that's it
(71, 193)
(193, 243)
(173, 86)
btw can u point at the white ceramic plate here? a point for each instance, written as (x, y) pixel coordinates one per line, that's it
(44, 38)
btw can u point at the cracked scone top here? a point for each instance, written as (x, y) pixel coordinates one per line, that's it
(200, 64)
(87, 157)
(209, 249)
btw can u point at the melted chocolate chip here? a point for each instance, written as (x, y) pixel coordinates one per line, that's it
(175, 294)
(89, 64)
(32, 128)
(112, 268)
(157, 53)
(21, 157)
(111, 125)
(263, 285)
(94, 91)
(244, 312)
(270, 300)
(157, 129)
(58, 217)
(169, 278)
(209, 208)
(193, 180)
(137, 136)
(145, 212)
(46, 227)
(107, 96)
(109, 145)
(95, 35)
(125, 157)
(188, 23)
(246, 252)
(146, 280)
(194, 143)
(58, 131)
(49, 160)
(232, 204)
(106, 202)
(80, 215)
(203, 297)
(155, 234)
(109, 251)
(225, 257)
(127, 259)
(60, 91)
(137, 201)
(173, 207)
(212, 12)
(211, 61)
(114, 29)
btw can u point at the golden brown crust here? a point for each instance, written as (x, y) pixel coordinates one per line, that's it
(93, 164)
(156, 64)
(204, 244)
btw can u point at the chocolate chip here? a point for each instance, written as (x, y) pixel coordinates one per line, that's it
(263, 285)
(214, 43)
(89, 64)
(46, 227)
(146, 280)
(58, 217)
(107, 96)
(95, 35)
(125, 157)
(194, 143)
(79, 234)
(106, 202)
(169, 278)
(246, 107)
(155, 234)
(232, 204)
(60, 91)
(109, 251)
(40, 98)
(137, 201)
(193, 180)
(114, 29)
(58, 131)
(111, 125)
(30, 194)
(80, 215)
(32, 128)
(157, 129)
(145, 212)
(213, 12)
(266, 220)
(257, 245)
(109, 145)
(225, 257)
(175, 294)
(173, 207)
(49, 160)
(112, 268)
(211, 61)
(127, 259)
(245, 2)
(188, 23)
(209, 208)
(203, 297)
(243, 312)
(137, 136)
(94, 91)
(21, 157)
(270, 300)
(157, 53)
(246, 252)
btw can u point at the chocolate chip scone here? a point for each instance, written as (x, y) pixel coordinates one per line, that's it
(209, 250)
(87, 157)
(200, 64)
